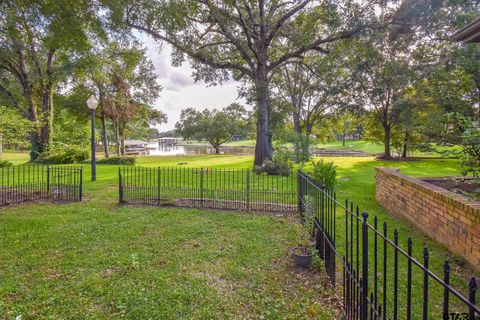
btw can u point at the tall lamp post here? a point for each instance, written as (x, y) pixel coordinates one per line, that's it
(92, 104)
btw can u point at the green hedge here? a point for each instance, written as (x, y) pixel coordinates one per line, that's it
(65, 155)
(127, 161)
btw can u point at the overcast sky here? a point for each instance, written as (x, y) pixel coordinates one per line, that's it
(179, 90)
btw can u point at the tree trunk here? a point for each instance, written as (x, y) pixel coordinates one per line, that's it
(296, 122)
(47, 102)
(405, 146)
(117, 139)
(104, 135)
(404, 152)
(343, 139)
(263, 148)
(217, 149)
(308, 132)
(47, 106)
(387, 153)
(121, 131)
(122, 147)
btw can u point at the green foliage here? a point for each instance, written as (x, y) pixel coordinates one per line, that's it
(466, 132)
(70, 126)
(126, 161)
(14, 128)
(5, 163)
(325, 173)
(214, 126)
(273, 168)
(63, 155)
(301, 144)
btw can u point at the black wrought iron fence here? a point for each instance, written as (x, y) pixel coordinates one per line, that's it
(37, 182)
(233, 189)
(380, 278)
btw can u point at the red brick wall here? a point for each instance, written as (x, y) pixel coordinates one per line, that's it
(445, 216)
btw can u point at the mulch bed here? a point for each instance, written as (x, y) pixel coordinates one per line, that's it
(469, 188)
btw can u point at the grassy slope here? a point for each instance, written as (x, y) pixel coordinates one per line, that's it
(93, 260)
(86, 240)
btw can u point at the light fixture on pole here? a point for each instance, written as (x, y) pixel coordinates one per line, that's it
(92, 104)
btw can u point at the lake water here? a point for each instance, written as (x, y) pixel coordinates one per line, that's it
(157, 149)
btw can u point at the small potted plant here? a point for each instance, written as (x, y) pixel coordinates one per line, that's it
(302, 256)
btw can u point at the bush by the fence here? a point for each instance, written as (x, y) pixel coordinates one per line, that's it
(325, 173)
(127, 161)
(273, 168)
(66, 155)
(5, 163)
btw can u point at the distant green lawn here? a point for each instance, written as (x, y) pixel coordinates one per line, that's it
(98, 261)
(357, 145)
(15, 157)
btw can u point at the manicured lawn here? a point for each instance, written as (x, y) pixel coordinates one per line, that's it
(96, 260)
(15, 157)
(358, 145)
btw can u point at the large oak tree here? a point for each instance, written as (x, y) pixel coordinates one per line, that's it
(247, 39)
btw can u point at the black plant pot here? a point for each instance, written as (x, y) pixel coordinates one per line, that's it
(302, 256)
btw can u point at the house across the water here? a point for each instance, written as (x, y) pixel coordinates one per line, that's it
(168, 141)
(136, 147)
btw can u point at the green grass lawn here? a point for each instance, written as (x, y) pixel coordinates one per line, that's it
(94, 260)
(357, 145)
(15, 157)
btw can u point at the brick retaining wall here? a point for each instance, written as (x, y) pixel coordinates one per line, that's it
(445, 216)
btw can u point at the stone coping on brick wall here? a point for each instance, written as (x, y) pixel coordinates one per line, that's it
(470, 206)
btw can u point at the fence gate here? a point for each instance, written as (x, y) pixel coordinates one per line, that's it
(24, 183)
(380, 279)
(232, 189)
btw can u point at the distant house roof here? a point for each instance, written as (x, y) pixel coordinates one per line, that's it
(167, 138)
(469, 34)
(134, 142)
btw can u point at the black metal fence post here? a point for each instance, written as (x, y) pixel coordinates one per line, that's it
(80, 188)
(202, 198)
(300, 194)
(248, 190)
(48, 181)
(446, 279)
(120, 186)
(472, 286)
(364, 303)
(159, 183)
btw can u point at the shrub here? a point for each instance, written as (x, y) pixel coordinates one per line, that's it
(285, 157)
(325, 173)
(273, 168)
(127, 161)
(66, 155)
(5, 163)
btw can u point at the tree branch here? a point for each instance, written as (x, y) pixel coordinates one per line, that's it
(12, 100)
(315, 44)
(193, 54)
(284, 18)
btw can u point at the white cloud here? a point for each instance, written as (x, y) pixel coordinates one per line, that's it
(179, 89)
